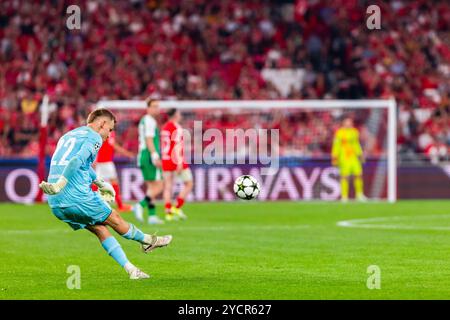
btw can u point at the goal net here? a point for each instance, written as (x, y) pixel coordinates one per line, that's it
(286, 145)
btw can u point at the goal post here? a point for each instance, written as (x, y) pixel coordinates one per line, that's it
(43, 134)
(388, 105)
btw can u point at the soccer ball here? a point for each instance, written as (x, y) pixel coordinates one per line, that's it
(246, 187)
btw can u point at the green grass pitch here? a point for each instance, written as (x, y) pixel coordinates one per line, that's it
(256, 250)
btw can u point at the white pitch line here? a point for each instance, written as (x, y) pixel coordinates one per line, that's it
(262, 227)
(176, 228)
(362, 223)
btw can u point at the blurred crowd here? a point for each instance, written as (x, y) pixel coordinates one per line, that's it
(212, 49)
(301, 133)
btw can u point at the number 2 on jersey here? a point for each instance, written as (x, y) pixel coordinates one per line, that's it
(69, 145)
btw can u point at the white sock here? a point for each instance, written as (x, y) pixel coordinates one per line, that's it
(129, 267)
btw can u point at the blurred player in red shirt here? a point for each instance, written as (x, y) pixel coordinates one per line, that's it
(105, 168)
(173, 165)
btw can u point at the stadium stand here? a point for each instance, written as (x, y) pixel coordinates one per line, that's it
(210, 49)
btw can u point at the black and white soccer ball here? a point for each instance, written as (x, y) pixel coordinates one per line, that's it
(246, 187)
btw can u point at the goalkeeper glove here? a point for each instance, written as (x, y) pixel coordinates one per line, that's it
(106, 190)
(53, 188)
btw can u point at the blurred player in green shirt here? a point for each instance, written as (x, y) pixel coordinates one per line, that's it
(149, 161)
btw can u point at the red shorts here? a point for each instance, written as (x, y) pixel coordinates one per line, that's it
(168, 165)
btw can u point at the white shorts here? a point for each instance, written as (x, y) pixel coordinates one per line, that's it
(106, 170)
(185, 175)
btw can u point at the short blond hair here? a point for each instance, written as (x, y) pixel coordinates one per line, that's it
(101, 113)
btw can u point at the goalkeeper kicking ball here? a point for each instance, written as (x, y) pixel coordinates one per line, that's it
(246, 187)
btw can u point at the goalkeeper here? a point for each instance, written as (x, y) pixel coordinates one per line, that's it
(347, 155)
(72, 200)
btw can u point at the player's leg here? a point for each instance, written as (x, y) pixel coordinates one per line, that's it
(123, 207)
(359, 187)
(131, 232)
(358, 181)
(148, 195)
(344, 188)
(147, 173)
(113, 248)
(148, 198)
(154, 188)
(167, 194)
(115, 184)
(188, 184)
(344, 173)
(153, 182)
(107, 171)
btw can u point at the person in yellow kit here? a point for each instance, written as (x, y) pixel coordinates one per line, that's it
(347, 155)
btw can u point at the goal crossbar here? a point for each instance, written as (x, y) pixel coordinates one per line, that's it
(248, 104)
